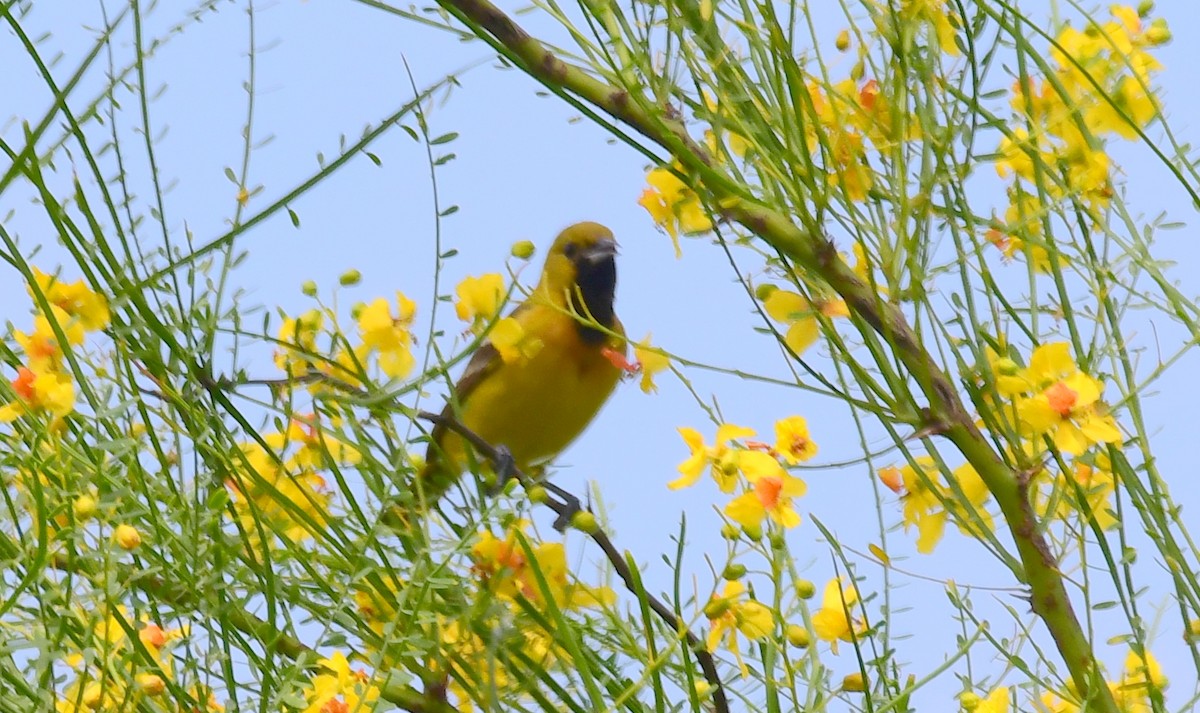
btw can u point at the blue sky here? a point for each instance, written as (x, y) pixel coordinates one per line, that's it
(525, 169)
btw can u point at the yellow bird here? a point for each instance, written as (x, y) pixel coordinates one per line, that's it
(537, 405)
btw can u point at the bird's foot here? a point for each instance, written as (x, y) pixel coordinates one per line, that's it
(504, 467)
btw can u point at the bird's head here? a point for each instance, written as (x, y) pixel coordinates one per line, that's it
(581, 267)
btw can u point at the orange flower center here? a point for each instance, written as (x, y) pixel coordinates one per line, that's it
(335, 706)
(1062, 398)
(768, 489)
(23, 384)
(798, 446)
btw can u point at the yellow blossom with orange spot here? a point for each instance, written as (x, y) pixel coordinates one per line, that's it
(928, 503)
(339, 689)
(769, 495)
(793, 441)
(1065, 402)
(505, 568)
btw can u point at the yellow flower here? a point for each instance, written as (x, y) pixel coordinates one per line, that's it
(510, 340)
(835, 620)
(792, 440)
(74, 299)
(506, 571)
(1097, 485)
(771, 492)
(730, 614)
(282, 502)
(650, 362)
(479, 299)
(722, 457)
(339, 688)
(674, 206)
(388, 335)
(318, 446)
(1065, 406)
(49, 390)
(928, 503)
(800, 316)
(298, 342)
(996, 702)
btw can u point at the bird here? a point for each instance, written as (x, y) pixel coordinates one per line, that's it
(533, 407)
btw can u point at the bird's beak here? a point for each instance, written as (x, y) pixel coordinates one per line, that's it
(599, 251)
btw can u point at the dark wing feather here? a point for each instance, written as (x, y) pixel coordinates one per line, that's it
(483, 362)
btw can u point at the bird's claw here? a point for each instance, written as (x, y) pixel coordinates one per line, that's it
(504, 465)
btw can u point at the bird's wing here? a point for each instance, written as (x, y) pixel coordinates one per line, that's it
(483, 362)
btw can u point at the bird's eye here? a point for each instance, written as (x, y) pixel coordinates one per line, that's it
(570, 250)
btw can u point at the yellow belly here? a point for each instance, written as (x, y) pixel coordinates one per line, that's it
(537, 406)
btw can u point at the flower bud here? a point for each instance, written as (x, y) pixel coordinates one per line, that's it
(308, 288)
(843, 41)
(716, 607)
(805, 589)
(537, 495)
(797, 636)
(1158, 33)
(151, 684)
(585, 521)
(763, 291)
(127, 537)
(733, 571)
(84, 507)
(854, 683)
(523, 249)
(350, 277)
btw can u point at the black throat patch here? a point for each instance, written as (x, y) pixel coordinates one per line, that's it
(597, 285)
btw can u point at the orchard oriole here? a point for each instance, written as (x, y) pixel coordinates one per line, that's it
(536, 405)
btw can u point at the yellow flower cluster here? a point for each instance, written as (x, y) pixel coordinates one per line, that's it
(339, 688)
(1132, 693)
(768, 488)
(111, 672)
(1051, 402)
(931, 497)
(1099, 86)
(43, 383)
(284, 495)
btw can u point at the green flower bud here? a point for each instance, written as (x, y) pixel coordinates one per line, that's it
(523, 249)
(797, 636)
